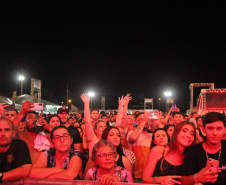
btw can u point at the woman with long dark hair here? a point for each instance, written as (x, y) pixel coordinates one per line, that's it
(163, 163)
(159, 138)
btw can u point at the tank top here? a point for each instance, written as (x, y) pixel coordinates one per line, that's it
(164, 168)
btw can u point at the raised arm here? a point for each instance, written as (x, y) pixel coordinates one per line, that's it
(138, 131)
(25, 108)
(121, 102)
(125, 109)
(168, 115)
(2, 109)
(90, 134)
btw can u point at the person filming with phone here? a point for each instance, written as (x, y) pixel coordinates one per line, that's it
(30, 133)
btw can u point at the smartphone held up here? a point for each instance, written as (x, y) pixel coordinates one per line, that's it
(37, 106)
(174, 107)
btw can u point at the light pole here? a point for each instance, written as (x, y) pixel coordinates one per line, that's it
(167, 94)
(91, 94)
(159, 103)
(21, 78)
(69, 106)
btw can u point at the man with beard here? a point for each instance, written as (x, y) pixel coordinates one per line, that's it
(64, 117)
(15, 161)
(139, 141)
(30, 133)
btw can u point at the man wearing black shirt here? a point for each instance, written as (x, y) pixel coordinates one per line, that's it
(63, 114)
(15, 161)
(200, 159)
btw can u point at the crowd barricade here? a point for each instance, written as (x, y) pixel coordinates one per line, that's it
(29, 181)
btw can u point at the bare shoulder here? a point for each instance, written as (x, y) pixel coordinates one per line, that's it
(155, 154)
(125, 159)
(157, 151)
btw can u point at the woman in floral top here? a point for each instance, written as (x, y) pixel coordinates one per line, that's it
(106, 171)
(60, 162)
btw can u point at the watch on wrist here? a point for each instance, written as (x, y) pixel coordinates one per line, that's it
(1, 175)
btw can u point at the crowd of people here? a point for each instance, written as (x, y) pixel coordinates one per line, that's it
(171, 148)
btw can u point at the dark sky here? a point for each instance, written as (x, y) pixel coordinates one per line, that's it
(113, 48)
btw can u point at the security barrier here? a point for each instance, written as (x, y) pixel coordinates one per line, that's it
(28, 181)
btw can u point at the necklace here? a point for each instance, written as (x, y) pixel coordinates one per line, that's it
(218, 155)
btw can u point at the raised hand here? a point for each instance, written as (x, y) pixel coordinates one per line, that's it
(121, 101)
(2, 108)
(26, 106)
(85, 98)
(128, 98)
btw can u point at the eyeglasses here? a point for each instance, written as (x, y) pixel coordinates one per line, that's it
(104, 155)
(64, 136)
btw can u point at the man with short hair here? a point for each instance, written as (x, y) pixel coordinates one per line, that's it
(71, 121)
(64, 116)
(15, 161)
(30, 133)
(10, 114)
(95, 115)
(177, 117)
(104, 118)
(200, 159)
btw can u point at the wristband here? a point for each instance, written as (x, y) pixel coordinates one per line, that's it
(153, 180)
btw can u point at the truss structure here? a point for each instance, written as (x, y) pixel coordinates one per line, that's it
(210, 85)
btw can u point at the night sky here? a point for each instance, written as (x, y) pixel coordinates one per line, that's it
(113, 48)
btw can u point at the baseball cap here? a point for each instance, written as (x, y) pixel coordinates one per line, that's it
(62, 109)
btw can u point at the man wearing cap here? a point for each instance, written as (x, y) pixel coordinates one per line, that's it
(64, 116)
(15, 161)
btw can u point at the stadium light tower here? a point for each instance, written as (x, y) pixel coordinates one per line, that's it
(91, 94)
(21, 78)
(167, 95)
